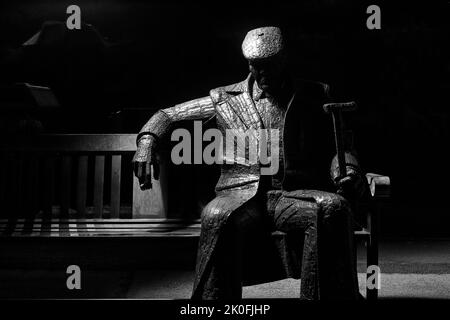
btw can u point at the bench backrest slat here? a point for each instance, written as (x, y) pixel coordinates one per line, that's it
(49, 189)
(65, 189)
(98, 185)
(34, 177)
(116, 163)
(72, 143)
(82, 176)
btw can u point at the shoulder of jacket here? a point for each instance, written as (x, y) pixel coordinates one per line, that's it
(219, 93)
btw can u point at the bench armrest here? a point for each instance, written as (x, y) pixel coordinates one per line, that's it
(380, 186)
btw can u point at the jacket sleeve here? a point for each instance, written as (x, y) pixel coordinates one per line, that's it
(160, 123)
(196, 109)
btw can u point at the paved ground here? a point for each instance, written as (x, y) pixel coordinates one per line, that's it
(163, 285)
(409, 269)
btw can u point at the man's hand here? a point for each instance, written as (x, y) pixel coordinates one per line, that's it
(145, 161)
(350, 186)
(353, 184)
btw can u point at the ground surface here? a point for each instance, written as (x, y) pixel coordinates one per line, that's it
(416, 269)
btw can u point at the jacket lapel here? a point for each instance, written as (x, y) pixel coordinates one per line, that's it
(238, 108)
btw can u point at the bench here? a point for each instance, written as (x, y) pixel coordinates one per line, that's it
(78, 186)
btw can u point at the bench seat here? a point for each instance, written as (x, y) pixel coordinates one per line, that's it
(99, 228)
(109, 228)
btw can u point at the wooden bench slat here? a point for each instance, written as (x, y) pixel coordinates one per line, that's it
(3, 178)
(66, 166)
(99, 177)
(74, 230)
(58, 233)
(71, 143)
(34, 184)
(23, 206)
(156, 229)
(82, 185)
(5, 185)
(49, 188)
(69, 225)
(116, 163)
(103, 226)
(108, 235)
(4, 181)
(109, 221)
(98, 227)
(16, 183)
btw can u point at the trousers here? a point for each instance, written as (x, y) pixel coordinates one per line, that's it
(322, 223)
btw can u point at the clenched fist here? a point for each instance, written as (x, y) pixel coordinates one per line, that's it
(145, 161)
(353, 184)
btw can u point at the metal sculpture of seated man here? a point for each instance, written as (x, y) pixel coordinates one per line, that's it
(300, 199)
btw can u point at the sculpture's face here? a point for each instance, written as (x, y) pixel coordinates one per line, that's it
(268, 72)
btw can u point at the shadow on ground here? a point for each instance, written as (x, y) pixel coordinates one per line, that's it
(408, 270)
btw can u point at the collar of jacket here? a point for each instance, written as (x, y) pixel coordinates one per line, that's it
(304, 92)
(303, 87)
(249, 85)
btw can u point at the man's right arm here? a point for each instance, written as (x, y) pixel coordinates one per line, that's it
(156, 128)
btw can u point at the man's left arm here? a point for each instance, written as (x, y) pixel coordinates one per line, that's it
(352, 185)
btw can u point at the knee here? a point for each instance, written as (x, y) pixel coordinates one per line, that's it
(293, 214)
(212, 214)
(334, 207)
(215, 217)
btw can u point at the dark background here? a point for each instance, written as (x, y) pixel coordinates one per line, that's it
(157, 53)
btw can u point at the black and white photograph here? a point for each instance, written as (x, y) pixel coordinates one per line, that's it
(226, 156)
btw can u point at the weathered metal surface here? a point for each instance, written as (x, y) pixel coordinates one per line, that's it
(249, 206)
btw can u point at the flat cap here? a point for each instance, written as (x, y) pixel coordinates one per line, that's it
(262, 43)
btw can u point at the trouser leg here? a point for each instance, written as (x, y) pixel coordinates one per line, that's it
(223, 274)
(324, 220)
(337, 250)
